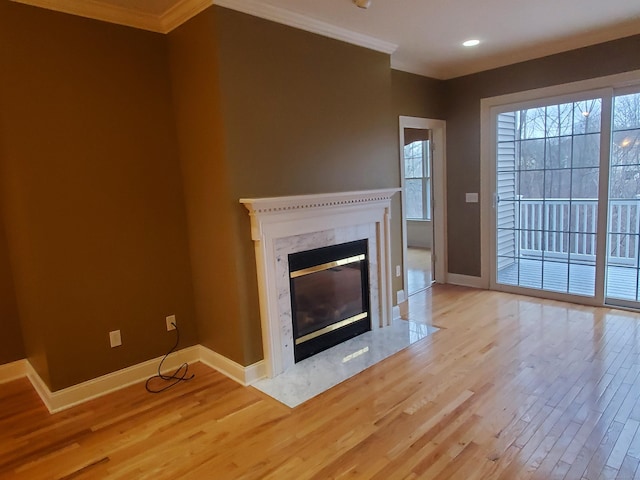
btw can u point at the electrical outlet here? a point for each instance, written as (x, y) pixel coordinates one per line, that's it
(171, 322)
(115, 339)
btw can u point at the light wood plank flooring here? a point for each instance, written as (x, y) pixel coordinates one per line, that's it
(419, 269)
(511, 387)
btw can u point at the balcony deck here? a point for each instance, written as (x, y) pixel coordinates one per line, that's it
(578, 279)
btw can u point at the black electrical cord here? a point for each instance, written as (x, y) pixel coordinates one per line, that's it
(180, 375)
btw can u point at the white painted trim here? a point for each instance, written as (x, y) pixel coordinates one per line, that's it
(404, 309)
(186, 9)
(175, 16)
(395, 313)
(97, 387)
(243, 375)
(465, 280)
(101, 11)
(182, 12)
(620, 80)
(438, 185)
(280, 218)
(255, 372)
(303, 22)
(487, 189)
(489, 107)
(13, 371)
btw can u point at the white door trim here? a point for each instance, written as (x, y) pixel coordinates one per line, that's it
(438, 185)
(489, 107)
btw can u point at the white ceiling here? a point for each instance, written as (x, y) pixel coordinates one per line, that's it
(424, 35)
(429, 33)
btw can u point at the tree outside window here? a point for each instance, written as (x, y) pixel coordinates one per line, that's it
(417, 172)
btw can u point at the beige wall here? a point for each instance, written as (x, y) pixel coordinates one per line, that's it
(94, 211)
(463, 128)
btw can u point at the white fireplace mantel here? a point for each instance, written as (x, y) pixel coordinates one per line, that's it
(284, 225)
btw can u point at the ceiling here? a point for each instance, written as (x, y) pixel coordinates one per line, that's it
(422, 36)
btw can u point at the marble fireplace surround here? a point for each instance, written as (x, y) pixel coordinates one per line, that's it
(284, 225)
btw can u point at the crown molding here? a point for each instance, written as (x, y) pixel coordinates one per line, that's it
(101, 11)
(184, 10)
(302, 22)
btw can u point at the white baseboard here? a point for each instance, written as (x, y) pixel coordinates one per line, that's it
(13, 371)
(97, 387)
(395, 312)
(243, 375)
(465, 280)
(255, 372)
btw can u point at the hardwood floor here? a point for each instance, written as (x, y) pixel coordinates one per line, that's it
(419, 269)
(511, 387)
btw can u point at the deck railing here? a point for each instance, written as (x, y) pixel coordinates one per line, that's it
(561, 227)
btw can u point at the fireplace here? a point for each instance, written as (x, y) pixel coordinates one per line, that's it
(329, 289)
(281, 226)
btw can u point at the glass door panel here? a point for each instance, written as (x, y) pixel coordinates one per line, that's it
(547, 197)
(622, 280)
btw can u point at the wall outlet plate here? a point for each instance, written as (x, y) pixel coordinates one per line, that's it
(115, 339)
(171, 319)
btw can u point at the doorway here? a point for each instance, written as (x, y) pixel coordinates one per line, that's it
(567, 202)
(422, 144)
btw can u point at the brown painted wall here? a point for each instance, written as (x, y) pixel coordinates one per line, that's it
(95, 219)
(302, 114)
(417, 96)
(105, 227)
(463, 128)
(11, 343)
(210, 206)
(414, 96)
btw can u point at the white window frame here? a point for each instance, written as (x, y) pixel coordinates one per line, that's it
(548, 95)
(426, 181)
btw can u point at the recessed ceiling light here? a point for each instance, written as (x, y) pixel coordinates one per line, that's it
(362, 3)
(471, 43)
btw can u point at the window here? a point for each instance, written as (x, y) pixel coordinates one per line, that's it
(547, 183)
(567, 207)
(417, 173)
(623, 260)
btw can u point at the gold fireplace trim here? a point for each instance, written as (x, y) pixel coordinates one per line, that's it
(331, 328)
(327, 266)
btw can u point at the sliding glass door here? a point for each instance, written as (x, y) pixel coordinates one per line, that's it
(547, 196)
(559, 167)
(624, 203)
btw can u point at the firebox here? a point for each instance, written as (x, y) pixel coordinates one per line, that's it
(329, 296)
